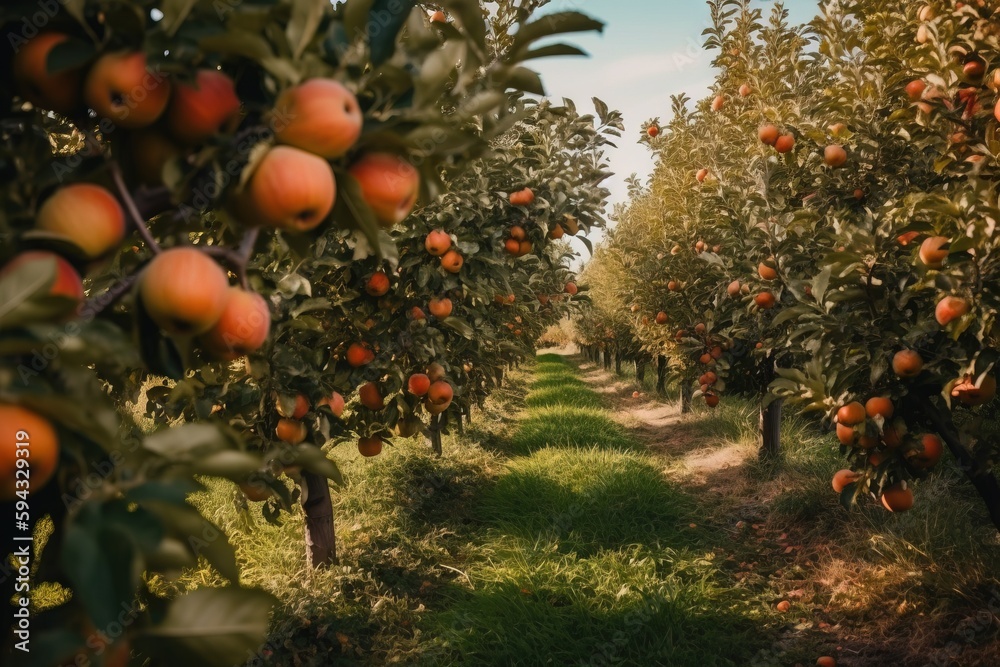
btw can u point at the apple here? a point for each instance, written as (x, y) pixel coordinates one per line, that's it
(440, 308)
(67, 282)
(198, 111)
(522, 197)
(452, 262)
(389, 184)
(320, 116)
(418, 384)
(241, 329)
(55, 91)
(184, 291)
(335, 402)
(835, 156)
(437, 242)
(121, 87)
(87, 215)
(291, 189)
(378, 284)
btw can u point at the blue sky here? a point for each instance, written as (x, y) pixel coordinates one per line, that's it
(650, 50)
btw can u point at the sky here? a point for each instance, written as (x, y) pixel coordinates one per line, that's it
(649, 51)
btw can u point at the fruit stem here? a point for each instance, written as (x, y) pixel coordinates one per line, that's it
(137, 220)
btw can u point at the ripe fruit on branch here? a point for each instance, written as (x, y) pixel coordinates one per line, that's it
(851, 414)
(846, 434)
(907, 363)
(844, 477)
(768, 134)
(915, 89)
(718, 103)
(121, 88)
(661, 317)
(765, 300)
(768, 269)
(369, 447)
(711, 400)
(437, 242)
(198, 111)
(835, 156)
(557, 232)
(256, 491)
(708, 378)
(571, 289)
(653, 131)
(440, 308)
(335, 402)
(377, 284)
(745, 90)
(87, 215)
(512, 246)
(826, 661)
(522, 197)
(702, 175)
(897, 499)
(785, 143)
(56, 91)
(184, 291)
(418, 384)
(439, 17)
(370, 396)
(969, 394)
(974, 70)
(452, 262)
(734, 289)
(439, 397)
(929, 452)
(320, 116)
(44, 448)
(359, 354)
(435, 371)
(291, 189)
(906, 238)
(517, 233)
(241, 329)
(291, 431)
(389, 184)
(67, 283)
(950, 308)
(933, 251)
(673, 285)
(837, 129)
(879, 406)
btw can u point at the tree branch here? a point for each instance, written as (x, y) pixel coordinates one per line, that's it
(137, 220)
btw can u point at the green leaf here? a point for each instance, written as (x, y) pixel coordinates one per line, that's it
(384, 23)
(352, 212)
(69, 54)
(356, 18)
(211, 627)
(199, 535)
(553, 24)
(24, 295)
(522, 78)
(188, 442)
(469, 13)
(234, 465)
(314, 460)
(306, 17)
(460, 326)
(174, 13)
(553, 50)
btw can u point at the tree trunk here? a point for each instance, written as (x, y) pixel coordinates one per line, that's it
(982, 479)
(321, 539)
(618, 362)
(435, 431)
(661, 375)
(460, 424)
(607, 359)
(686, 394)
(640, 369)
(770, 430)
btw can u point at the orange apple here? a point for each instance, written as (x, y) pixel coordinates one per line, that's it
(87, 215)
(184, 291)
(67, 283)
(198, 111)
(440, 308)
(389, 184)
(291, 189)
(242, 328)
(55, 91)
(437, 242)
(320, 116)
(121, 87)
(418, 384)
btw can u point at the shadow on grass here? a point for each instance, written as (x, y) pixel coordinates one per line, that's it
(563, 394)
(562, 426)
(512, 623)
(587, 502)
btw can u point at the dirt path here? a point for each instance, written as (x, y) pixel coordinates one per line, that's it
(694, 458)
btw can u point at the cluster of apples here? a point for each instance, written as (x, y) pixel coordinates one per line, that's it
(438, 244)
(291, 429)
(707, 358)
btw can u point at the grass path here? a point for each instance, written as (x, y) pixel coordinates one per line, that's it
(573, 525)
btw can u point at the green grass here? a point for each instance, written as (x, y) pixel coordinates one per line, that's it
(551, 538)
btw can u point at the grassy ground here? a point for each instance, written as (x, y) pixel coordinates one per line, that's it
(557, 531)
